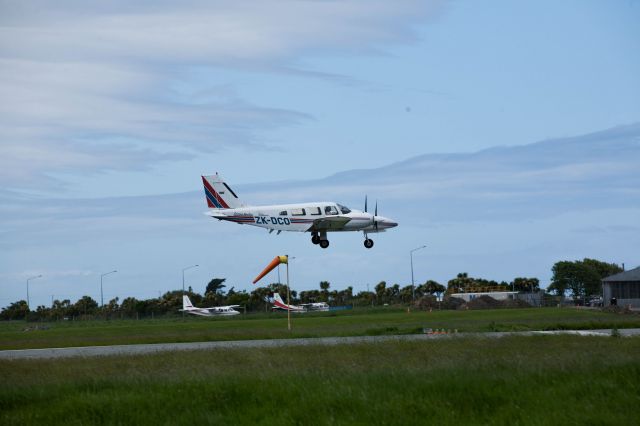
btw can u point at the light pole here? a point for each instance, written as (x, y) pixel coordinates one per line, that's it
(29, 279)
(413, 285)
(101, 294)
(184, 269)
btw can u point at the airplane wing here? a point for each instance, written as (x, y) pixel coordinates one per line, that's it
(329, 223)
(221, 307)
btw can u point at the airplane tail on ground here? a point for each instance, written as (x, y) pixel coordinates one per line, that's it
(278, 302)
(277, 298)
(219, 194)
(186, 303)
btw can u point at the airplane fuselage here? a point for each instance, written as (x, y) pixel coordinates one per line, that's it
(301, 217)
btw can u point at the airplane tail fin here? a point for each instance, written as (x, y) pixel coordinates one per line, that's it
(277, 298)
(219, 194)
(186, 303)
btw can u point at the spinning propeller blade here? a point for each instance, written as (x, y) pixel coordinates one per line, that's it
(375, 222)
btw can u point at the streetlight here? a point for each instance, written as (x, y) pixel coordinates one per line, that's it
(101, 294)
(413, 286)
(184, 269)
(29, 279)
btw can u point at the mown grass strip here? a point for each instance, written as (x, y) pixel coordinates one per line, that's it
(390, 321)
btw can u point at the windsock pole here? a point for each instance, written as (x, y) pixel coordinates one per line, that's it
(288, 296)
(276, 262)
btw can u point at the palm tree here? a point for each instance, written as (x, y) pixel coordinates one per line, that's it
(324, 286)
(215, 285)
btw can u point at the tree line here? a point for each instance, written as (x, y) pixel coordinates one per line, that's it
(579, 278)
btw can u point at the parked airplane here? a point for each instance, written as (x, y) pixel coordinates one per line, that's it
(318, 218)
(188, 307)
(304, 307)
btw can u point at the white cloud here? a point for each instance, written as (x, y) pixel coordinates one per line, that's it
(79, 79)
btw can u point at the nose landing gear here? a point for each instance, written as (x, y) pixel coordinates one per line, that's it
(368, 242)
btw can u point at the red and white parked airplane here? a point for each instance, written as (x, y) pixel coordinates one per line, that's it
(318, 218)
(278, 303)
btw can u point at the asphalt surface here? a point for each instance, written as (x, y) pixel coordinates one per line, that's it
(91, 351)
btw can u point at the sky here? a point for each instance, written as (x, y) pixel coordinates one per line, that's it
(111, 100)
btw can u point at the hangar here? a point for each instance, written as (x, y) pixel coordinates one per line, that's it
(625, 287)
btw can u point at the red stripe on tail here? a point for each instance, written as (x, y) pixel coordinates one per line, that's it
(214, 193)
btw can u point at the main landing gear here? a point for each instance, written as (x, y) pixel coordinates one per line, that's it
(320, 239)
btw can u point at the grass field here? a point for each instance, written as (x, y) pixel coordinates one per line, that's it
(514, 380)
(263, 326)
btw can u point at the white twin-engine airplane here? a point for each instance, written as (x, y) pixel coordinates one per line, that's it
(318, 218)
(188, 307)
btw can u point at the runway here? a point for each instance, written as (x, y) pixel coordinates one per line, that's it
(91, 351)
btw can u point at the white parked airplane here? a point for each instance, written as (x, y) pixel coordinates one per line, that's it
(303, 307)
(188, 307)
(318, 218)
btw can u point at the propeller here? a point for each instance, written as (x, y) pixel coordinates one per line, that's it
(375, 222)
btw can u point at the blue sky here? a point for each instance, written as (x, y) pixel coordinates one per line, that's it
(116, 100)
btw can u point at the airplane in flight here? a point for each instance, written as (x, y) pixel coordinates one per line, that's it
(318, 218)
(188, 307)
(278, 303)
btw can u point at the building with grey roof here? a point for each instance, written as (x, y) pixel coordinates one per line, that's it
(624, 287)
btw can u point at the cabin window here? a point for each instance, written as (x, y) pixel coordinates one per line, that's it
(283, 213)
(315, 211)
(330, 210)
(343, 209)
(297, 212)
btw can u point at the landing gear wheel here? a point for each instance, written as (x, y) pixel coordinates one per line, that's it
(324, 243)
(315, 239)
(368, 243)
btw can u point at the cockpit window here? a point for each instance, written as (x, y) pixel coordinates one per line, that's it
(283, 213)
(344, 209)
(330, 210)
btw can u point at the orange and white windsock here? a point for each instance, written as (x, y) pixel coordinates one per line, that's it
(275, 262)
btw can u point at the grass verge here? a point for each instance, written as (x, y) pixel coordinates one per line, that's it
(513, 380)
